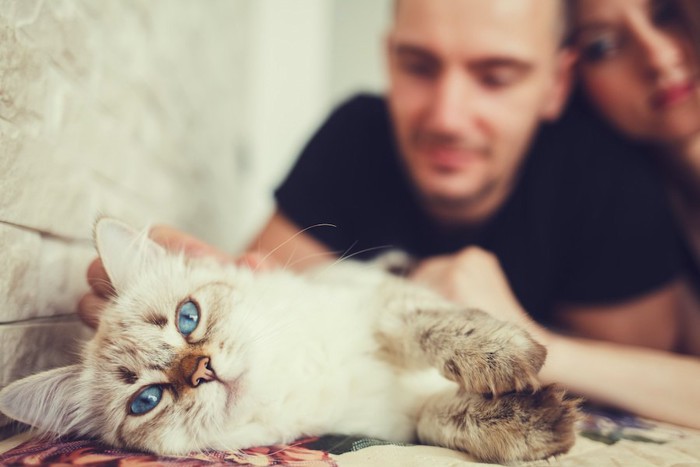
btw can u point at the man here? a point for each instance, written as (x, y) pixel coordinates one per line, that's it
(454, 163)
(445, 165)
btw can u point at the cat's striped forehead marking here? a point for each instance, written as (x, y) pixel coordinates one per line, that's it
(125, 358)
(126, 375)
(155, 318)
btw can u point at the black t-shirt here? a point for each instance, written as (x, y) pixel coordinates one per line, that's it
(587, 222)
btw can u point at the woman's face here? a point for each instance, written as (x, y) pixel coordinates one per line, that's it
(638, 67)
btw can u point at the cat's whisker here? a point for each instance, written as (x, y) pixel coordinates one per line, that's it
(274, 250)
(366, 250)
(344, 257)
(329, 254)
(289, 259)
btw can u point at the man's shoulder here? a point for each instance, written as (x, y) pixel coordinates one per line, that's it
(581, 144)
(358, 129)
(587, 172)
(362, 105)
(353, 146)
(361, 119)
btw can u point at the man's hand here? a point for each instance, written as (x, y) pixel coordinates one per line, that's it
(101, 289)
(473, 277)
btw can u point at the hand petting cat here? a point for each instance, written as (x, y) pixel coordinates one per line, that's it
(474, 277)
(172, 239)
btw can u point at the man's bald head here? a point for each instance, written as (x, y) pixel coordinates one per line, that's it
(562, 27)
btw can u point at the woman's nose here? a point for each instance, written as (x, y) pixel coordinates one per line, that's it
(662, 50)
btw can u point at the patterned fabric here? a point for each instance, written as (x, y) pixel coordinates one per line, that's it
(602, 427)
(86, 452)
(610, 427)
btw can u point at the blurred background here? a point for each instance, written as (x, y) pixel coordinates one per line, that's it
(186, 112)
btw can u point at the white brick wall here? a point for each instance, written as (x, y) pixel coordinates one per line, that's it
(184, 112)
(128, 108)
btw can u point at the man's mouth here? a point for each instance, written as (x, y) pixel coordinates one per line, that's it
(450, 158)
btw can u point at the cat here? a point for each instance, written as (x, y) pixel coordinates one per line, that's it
(192, 355)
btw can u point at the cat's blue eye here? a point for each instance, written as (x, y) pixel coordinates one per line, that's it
(187, 318)
(146, 400)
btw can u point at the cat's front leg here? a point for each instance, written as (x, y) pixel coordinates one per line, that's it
(515, 426)
(479, 352)
(469, 346)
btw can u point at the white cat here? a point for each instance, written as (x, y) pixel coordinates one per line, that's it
(191, 355)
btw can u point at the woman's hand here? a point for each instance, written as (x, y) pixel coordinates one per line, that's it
(101, 289)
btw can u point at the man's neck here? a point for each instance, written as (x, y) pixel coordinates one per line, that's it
(470, 214)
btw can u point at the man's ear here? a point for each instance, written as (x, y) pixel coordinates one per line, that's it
(124, 252)
(558, 93)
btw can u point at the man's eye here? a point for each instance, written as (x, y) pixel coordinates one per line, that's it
(599, 49)
(419, 68)
(500, 78)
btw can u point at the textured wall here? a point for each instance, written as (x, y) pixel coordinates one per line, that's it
(179, 111)
(128, 108)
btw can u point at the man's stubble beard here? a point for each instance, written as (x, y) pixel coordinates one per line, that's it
(450, 209)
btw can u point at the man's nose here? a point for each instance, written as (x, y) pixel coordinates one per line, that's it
(451, 109)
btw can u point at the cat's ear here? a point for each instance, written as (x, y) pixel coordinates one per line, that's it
(48, 401)
(124, 251)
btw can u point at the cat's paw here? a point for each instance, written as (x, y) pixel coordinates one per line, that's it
(537, 425)
(494, 360)
(517, 426)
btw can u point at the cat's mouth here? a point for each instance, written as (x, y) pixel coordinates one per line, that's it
(233, 389)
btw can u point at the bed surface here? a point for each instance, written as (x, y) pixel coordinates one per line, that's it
(603, 439)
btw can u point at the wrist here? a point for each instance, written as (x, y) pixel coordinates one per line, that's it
(538, 332)
(556, 363)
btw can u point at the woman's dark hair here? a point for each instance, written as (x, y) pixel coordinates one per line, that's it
(689, 12)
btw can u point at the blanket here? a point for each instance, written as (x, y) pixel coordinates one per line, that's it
(603, 439)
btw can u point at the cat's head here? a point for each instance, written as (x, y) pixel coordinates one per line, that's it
(163, 372)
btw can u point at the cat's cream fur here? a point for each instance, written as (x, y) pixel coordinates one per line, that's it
(342, 349)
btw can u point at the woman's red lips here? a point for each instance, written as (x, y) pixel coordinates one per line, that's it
(671, 95)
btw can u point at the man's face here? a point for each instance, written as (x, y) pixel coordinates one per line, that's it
(469, 82)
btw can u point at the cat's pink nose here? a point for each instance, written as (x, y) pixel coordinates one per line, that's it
(201, 371)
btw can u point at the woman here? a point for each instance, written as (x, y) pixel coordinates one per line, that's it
(639, 65)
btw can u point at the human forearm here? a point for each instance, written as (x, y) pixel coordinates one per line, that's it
(651, 383)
